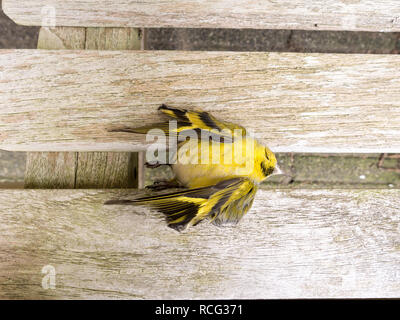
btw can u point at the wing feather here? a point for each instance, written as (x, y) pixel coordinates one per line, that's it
(201, 122)
(197, 119)
(224, 202)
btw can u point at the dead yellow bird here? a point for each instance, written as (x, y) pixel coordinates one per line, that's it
(218, 163)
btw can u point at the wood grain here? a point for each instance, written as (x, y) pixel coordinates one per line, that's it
(79, 170)
(51, 170)
(54, 170)
(61, 38)
(85, 170)
(292, 244)
(355, 15)
(113, 39)
(107, 170)
(67, 100)
(90, 38)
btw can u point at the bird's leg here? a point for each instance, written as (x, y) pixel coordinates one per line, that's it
(164, 184)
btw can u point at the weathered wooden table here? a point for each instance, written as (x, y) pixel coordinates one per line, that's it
(58, 104)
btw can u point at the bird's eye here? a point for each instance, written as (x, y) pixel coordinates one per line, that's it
(267, 171)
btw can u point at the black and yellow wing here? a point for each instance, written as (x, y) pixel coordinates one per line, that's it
(231, 209)
(191, 120)
(225, 202)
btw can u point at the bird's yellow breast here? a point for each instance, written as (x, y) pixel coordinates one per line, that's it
(202, 163)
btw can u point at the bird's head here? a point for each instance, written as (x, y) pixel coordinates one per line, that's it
(269, 165)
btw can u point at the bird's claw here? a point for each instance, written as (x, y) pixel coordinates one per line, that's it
(159, 185)
(152, 165)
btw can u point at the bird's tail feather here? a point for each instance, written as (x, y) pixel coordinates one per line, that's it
(179, 208)
(189, 207)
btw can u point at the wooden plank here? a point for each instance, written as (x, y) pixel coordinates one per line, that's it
(61, 38)
(67, 100)
(54, 169)
(307, 244)
(113, 39)
(60, 170)
(107, 170)
(362, 15)
(51, 170)
(110, 169)
(85, 170)
(90, 38)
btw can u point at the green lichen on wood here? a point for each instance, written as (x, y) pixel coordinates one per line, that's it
(335, 170)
